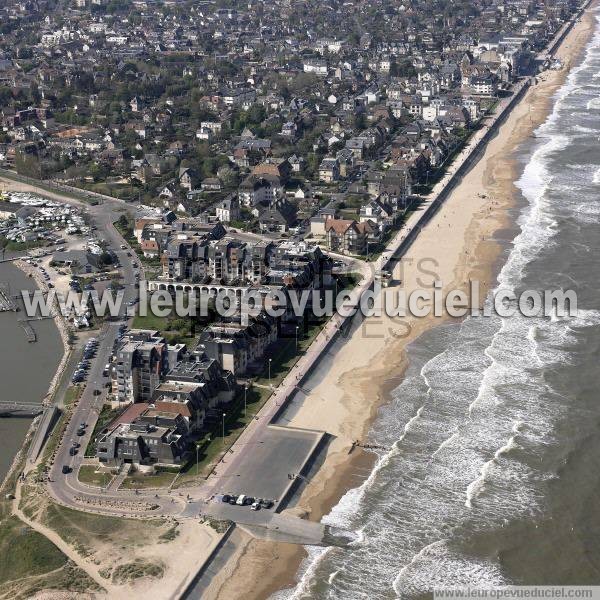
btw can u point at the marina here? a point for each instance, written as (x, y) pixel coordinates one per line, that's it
(26, 368)
(7, 302)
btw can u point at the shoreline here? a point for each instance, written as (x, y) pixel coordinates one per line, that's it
(353, 399)
(20, 457)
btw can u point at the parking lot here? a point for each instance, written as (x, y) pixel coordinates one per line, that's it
(280, 453)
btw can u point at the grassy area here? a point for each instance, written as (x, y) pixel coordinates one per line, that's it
(284, 354)
(137, 569)
(89, 475)
(150, 321)
(176, 330)
(161, 479)
(84, 531)
(170, 535)
(12, 246)
(25, 552)
(214, 445)
(116, 190)
(68, 580)
(107, 414)
(71, 396)
(126, 232)
(30, 562)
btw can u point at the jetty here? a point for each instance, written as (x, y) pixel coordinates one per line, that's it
(29, 330)
(359, 444)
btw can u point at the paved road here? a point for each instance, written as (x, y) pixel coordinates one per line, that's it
(65, 487)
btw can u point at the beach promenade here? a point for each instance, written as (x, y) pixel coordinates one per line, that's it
(394, 250)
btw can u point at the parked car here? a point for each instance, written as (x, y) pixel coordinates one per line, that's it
(226, 498)
(255, 506)
(66, 469)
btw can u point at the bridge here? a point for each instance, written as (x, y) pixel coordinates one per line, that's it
(12, 258)
(20, 409)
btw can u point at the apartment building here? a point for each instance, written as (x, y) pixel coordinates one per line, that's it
(141, 359)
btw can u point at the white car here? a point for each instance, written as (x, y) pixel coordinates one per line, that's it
(255, 506)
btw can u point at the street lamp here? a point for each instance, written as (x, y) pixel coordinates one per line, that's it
(224, 414)
(245, 390)
(270, 371)
(197, 449)
(296, 338)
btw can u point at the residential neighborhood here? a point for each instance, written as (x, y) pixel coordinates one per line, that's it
(234, 115)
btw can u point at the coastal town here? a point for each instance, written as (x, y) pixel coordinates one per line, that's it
(213, 149)
(232, 114)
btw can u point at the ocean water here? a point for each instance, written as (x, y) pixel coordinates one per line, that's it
(492, 475)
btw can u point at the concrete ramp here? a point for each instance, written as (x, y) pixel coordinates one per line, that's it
(290, 530)
(268, 525)
(304, 533)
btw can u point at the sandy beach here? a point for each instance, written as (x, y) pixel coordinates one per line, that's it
(457, 245)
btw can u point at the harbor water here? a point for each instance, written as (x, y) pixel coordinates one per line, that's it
(26, 369)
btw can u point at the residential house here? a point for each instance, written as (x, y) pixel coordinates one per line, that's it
(329, 170)
(228, 209)
(348, 236)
